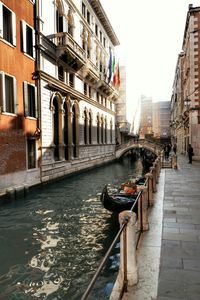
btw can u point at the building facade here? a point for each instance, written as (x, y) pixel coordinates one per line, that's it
(75, 57)
(145, 116)
(122, 125)
(161, 119)
(185, 104)
(18, 96)
(57, 95)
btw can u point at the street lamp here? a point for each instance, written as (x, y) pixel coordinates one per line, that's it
(187, 103)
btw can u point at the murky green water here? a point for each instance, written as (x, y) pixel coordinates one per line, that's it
(52, 242)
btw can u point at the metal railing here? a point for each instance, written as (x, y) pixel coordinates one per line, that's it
(143, 201)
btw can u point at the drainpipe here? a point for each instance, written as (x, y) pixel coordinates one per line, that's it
(37, 79)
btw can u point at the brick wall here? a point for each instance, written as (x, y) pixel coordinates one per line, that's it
(12, 151)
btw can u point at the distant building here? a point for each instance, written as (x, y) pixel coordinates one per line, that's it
(161, 119)
(154, 118)
(145, 116)
(122, 125)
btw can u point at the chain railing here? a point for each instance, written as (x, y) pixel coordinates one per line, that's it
(132, 224)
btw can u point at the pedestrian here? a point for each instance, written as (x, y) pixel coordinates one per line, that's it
(174, 148)
(169, 147)
(165, 151)
(190, 153)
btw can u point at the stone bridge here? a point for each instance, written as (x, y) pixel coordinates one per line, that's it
(142, 143)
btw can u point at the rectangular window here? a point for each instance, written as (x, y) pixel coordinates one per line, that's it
(27, 39)
(88, 17)
(85, 89)
(97, 96)
(90, 92)
(7, 93)
(30, 100)
(83, 10)
(31, 149)
(100, 36)
(7, 24)
(96, 30)
(71, 80)
(104, 42)
(61, 73)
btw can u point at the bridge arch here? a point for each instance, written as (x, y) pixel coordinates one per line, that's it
(150, 146)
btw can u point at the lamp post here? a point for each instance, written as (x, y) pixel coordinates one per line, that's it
(187, 104)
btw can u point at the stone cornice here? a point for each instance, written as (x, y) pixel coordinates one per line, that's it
(98, 9)
(56, 85)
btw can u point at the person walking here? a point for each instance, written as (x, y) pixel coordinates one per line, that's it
(190, 153)
(174, 148)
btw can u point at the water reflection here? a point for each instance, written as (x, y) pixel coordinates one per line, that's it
(53, 242)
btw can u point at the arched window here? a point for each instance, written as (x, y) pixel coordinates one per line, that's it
(102, 130)
(85, 127)
(66, 132)
(98, 129)
(74, 131)
(90, 127)
(56, 128)
(84, 38)
(105, 131)
(111, 129)
(70, 20)
(59, 20)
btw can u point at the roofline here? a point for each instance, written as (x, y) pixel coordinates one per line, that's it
(191, 10)
(100, 12)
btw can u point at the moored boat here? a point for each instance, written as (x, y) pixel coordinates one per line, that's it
(118, 202)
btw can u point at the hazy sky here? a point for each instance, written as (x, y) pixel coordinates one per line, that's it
(151, 35)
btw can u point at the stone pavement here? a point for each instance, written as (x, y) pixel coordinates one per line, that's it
(169, 253)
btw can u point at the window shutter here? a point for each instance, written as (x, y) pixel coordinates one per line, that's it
(36, 103)
(1, 20)
(15, 95)
(14, 28)
(23, 33)
(33, 38)
(2, 89)
(25, 98)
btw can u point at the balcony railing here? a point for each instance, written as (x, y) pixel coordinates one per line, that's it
(68, 49)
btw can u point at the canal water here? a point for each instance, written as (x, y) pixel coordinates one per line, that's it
(52, 242)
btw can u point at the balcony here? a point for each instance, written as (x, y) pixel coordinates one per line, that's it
(105, 87)
(90, 72)
(68, 50)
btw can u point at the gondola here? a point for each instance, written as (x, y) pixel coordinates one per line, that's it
(117, 202)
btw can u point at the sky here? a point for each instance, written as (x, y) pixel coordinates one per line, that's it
(151, 36)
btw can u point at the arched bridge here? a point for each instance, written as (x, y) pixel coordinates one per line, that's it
(142, 143)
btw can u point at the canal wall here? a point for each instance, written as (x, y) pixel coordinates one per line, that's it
(20, 187)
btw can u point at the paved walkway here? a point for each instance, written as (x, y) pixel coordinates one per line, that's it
(169, 253)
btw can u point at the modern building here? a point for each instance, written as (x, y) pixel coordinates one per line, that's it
(75, 57)
(185, 104)
(18, 96)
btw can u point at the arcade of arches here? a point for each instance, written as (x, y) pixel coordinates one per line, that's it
(69, 133)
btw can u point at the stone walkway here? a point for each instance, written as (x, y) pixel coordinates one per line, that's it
(169, 253)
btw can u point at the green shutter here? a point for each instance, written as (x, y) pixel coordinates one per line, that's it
(36, 103)
(14, 28)
(2, 90)
(1, 20)
(15, 95)
(25, 88)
